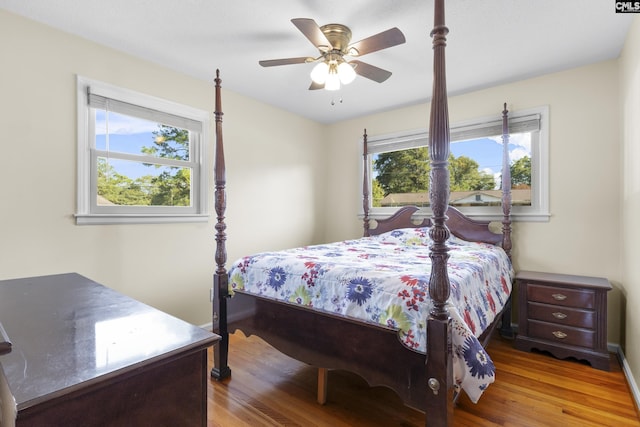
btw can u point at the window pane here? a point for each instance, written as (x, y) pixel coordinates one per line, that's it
(126, 134)
(476, 171)
(401, 177)
(520, 163)
(129, 183)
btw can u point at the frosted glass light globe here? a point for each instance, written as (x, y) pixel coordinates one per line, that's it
(333, 81)
(320, 72)
(346, 72)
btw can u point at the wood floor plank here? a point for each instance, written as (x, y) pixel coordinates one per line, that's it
(267, 388)
(576, 386)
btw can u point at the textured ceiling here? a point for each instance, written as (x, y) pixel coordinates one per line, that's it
(490, 42)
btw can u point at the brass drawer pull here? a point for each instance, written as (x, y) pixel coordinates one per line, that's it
(559, 315)
(559, 297)
(559, 334)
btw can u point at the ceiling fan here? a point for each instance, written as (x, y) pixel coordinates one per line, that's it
(334, 43)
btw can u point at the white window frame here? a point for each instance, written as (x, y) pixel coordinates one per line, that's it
(539, 209)
(88, 211)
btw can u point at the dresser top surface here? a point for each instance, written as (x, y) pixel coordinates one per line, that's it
(564, 279)
(68, 330)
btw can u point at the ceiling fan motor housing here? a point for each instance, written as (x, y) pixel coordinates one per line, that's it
(338, 35)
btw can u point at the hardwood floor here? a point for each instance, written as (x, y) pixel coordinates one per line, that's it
(268, 388)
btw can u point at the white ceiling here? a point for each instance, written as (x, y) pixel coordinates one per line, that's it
(490, 42)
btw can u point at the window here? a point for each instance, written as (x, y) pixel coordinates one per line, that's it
(398, 168)
(140, 159)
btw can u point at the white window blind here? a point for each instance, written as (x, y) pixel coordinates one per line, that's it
(420, 138)
(117, 106)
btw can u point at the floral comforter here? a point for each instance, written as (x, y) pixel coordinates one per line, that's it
(384, 280)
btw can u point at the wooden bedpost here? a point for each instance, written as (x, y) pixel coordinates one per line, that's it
(365, 185)
(439, 405)
(506, 331)
(220, 368)
(506, 184)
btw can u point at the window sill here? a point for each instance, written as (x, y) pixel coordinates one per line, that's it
(103, 219)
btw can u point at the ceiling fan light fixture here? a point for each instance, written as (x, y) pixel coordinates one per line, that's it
(333, 79)
(346, 73)
(333, 41)
(320, 72)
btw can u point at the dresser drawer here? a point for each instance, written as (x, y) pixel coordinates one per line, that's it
(562, 315)
(583, 298)
(562, 334)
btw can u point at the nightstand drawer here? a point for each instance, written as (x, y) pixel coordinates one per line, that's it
(562, 334)
(583, 298)
(562, 315)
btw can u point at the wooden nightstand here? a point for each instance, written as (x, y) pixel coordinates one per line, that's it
(565, 315)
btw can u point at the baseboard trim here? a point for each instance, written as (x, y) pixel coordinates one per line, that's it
(236, 316)
(207, 326)
(635, 391)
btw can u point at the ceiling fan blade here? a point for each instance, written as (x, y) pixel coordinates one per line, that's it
(369, 71)
(316, 86)
(312, 31)
(286, 61)
(383, 40)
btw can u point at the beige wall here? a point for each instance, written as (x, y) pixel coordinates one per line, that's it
(630, 198)
(583, 234)
(169, 266)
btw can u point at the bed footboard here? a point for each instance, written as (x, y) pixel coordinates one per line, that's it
(374, 352)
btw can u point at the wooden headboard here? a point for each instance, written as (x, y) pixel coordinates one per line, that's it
(460, 225)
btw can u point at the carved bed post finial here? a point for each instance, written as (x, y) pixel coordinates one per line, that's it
(506, 184)
(365, 185)
(220, 368)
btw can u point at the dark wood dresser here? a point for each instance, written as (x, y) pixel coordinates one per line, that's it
(85, 355)
(565, 315)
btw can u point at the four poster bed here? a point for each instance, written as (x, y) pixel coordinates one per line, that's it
(399, 306)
